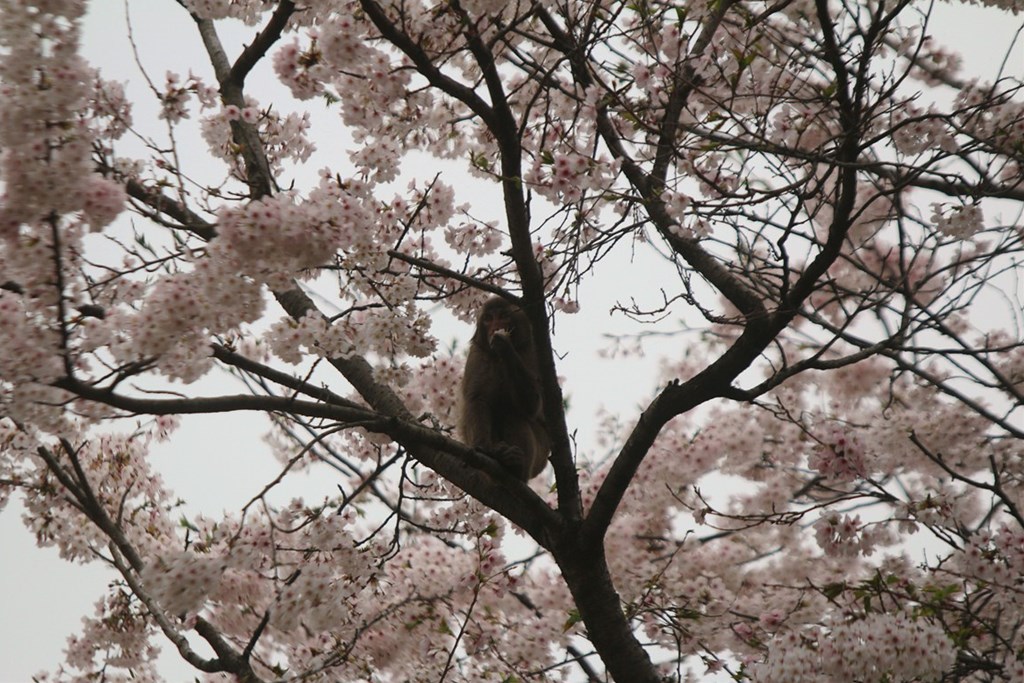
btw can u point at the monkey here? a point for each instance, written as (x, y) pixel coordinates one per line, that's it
(501, 411)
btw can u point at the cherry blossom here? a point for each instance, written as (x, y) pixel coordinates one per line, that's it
(801, 221)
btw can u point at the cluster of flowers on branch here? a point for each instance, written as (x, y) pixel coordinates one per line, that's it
(805, 213)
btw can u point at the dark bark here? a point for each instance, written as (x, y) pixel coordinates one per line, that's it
(585, 571)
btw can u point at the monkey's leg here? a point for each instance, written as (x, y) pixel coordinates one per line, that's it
(513, 459)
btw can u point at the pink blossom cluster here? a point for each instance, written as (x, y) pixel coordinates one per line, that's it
(671, 43)
(277, 237)
(801, 127)
(858, 383)
(103, 200)
(41, 175)
(282, 235)
(378, 104)
(111, 109)
(378, 160)
(284, 136)
(919, 132)
(366, 81)
(650, 80)
(842, 535)
(999, 123)
(1014, 6)
(874, 646)
(697, 571)
(182, 582)
(570, 175)
(477, 239)
(300, 566)
(934, 421)
(389, 332)
(176, 96)
(1011, 360)
(996, 558)
(343, 42)
(315, 599)
(174, 320)
(653, 73)
(247, 11)
(122, 483)
(117, 637)
(840, 457)
(963, 221)
(44, 85)
(676, 205)
(301, 70)
(890, 644)
(435, 204)
(317, 593)
(32, 349)
(430, 389)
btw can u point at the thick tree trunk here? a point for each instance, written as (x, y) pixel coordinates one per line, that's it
(586, 573)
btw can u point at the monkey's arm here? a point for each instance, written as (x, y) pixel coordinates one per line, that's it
(520, 379)
(475, 421)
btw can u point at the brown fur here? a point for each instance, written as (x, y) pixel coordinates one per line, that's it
(501, 403)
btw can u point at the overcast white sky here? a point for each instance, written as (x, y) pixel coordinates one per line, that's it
(44, 598)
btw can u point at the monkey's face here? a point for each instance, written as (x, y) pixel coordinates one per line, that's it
(497, 320)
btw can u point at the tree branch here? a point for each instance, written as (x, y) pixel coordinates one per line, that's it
(469, 469)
